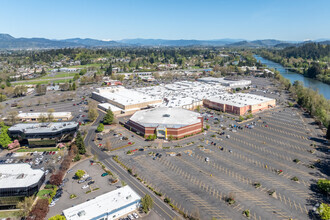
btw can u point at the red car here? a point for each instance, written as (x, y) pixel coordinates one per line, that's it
(129, 142)
(74, 104)
(266, 126)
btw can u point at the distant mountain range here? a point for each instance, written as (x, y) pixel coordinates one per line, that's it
(9, 42)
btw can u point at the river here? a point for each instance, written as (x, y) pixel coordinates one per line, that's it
(323, 88)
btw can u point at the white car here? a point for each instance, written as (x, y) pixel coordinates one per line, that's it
(135, 215)
(84, 187)
(52, 204)
(85, 176)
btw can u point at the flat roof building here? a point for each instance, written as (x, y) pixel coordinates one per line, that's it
(125, 99)
(226, 82)
(111, 205)
(35, 116)
(107, 106)
(166, 122)
(239, 103)
(43, 134)
(18, 181)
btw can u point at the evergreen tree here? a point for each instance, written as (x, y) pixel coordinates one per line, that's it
(80, 143)
(108, 118)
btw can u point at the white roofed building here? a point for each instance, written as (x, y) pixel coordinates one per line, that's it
(165, 122)
(34, 116)
(18, 181)
(111, 205)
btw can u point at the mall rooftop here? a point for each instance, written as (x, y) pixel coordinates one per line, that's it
(168, 117)
(239, 99)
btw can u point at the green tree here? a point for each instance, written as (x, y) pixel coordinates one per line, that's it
(74, 86)
(147, 203)
(43, 72)
(25, 206)
(80, 143)
(207, 127)
(108, 71)
(92, 114)
(50, 116)
(324, 185)
(57, 217)
(79, 174)
(100, 128)
(42, 118)
(324, 211)
(12, 117)
(241, 118)
(108, 118)
(4, 137)
(82, 72)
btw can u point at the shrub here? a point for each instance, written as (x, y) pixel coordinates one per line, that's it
(72, 196)
(295, 179)
(324, 211)
(100, 128)
(296, 160)
(257, 185)
(167, 200)
(324, 185)
(76, 158)
(79, 174)
(246, 213)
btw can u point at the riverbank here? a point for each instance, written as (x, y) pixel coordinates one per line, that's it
(322, 88)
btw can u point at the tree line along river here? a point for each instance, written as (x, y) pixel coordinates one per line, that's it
(323, 88)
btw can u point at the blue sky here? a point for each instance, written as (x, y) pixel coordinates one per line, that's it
(167, 19)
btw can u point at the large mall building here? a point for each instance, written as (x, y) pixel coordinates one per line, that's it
(239, 103)
(166, 122)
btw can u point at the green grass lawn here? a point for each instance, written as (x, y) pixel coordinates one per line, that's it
(38, 149)
(58, 75)
(41, 194)
(8, 214)
(46, 81)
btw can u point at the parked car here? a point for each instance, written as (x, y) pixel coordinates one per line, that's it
(135, 215)
(91, 182)
(84, 186)
(70, 171)
(104, 174)
(88, 179)
(81, 181)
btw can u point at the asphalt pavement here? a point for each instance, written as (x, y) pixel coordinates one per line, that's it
(160, 207)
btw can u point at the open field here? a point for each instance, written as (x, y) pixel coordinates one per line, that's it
(45, 81)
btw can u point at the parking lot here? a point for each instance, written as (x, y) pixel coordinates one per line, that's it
(266, 165)
(48, 161)
(101, 185)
